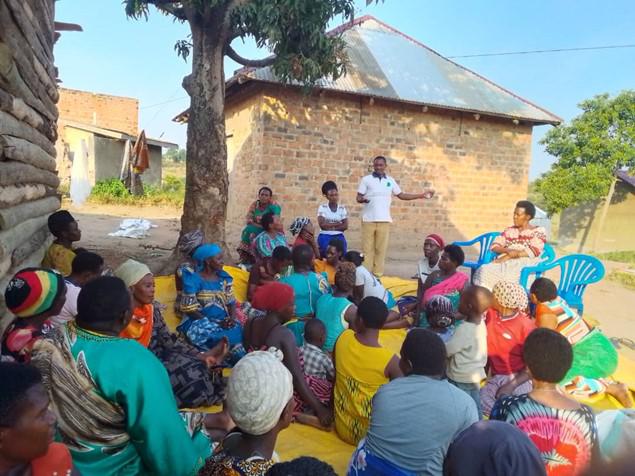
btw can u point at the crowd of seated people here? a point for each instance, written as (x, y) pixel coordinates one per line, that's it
(95, 383)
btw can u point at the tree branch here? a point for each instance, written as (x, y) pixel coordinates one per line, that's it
(229, 51)
(178, 12)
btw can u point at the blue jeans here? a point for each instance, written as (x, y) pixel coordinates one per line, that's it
(474, 391)
(323, 242)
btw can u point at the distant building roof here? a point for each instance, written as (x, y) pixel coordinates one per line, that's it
(385, 63)
(625, 177)
(117, 134)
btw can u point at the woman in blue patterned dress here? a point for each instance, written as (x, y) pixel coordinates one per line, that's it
(208, 304)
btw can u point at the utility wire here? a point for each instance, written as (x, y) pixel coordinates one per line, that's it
(530, 52)
(164, 102)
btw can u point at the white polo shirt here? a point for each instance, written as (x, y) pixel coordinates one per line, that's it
(379, 192)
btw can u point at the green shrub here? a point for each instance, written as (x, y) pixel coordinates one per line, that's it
(619, 256)
(113, 191)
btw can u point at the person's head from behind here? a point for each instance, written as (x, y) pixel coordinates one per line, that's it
(104, 305)
(302, 466)
(315, 333)
(188, 242)
(432, 245)
(329, 190)
(354, 257)
(86, 267)
(379, 165)
(275, 297)
(524, 212)
(423, 353)
(302, 256)
(543, 290)
(270, 222)
(372, 313)
(334, 251)
(439, 312)
(265, 195)
(139, 279)
(281, 258)
(260, 394)
(493, 448)
(475, 300)
(64, 227)
(548, 355)
(451, 258)
(509, 297)
(26, 423)
(345, 277)
(35, 294)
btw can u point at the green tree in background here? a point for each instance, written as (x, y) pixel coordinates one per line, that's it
(175, 155)
(294, 31)
(589, 150)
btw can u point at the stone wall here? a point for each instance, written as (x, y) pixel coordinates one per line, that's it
(293, 143)
(101, 110)
(28, 115)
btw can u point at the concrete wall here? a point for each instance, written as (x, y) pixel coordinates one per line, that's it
(108, 156)
(579, 225)
(101, 110)
(293, 143)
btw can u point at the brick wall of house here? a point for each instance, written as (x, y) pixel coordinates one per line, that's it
(101, 110)
(478, 168)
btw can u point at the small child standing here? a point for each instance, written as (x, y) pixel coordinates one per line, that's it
(317, 363)
(440, 314)
(467, 348)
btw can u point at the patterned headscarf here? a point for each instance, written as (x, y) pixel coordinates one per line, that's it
(33, 291)
(511, 295)
(205, 252)
(440, 307)
(190, 241)
(131, 272)
(272, 297)
(259, 389)
(298, 224)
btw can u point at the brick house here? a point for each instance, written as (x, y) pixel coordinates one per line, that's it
(99, 125)
(438, 123)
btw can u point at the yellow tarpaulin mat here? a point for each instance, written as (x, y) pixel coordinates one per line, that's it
(301, 440)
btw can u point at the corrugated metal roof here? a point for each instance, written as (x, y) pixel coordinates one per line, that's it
(625, 177)
(113, 134)
(386, 63)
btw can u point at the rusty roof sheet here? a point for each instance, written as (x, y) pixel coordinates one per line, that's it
(386, 63)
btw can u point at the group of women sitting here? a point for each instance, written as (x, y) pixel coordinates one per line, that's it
(306, 345)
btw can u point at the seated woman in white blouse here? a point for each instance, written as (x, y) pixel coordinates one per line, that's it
(332, 218)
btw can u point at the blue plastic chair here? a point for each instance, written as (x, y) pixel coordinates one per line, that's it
(485, 254)
(548, 254)
(576, 273)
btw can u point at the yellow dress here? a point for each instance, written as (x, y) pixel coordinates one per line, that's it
(60, 258)
(360, 371)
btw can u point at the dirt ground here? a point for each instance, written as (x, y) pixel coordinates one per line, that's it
(608, 303)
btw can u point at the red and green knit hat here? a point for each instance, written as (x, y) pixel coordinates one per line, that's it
(33, 291)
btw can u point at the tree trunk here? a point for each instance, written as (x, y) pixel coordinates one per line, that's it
(207, 182)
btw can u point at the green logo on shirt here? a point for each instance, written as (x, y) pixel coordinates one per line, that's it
(387, 184)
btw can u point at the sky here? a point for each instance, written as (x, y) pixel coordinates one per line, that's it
(136, 58)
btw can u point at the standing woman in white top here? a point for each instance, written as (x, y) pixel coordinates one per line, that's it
(332, 218)
(375, 191)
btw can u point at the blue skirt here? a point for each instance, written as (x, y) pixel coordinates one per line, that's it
(323, 242)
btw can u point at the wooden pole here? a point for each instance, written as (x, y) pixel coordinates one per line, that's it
(605, 211)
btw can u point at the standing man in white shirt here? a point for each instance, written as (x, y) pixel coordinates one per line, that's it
(375, 191)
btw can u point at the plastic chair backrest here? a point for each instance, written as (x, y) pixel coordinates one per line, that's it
(485, 242)
(576, 272)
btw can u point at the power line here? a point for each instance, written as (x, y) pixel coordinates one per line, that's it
(164, 102)
(530, 52)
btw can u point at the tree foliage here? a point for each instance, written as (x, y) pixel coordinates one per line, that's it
(293, 31)
(589, 150)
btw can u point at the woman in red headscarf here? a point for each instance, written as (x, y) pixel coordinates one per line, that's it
(265, 332)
